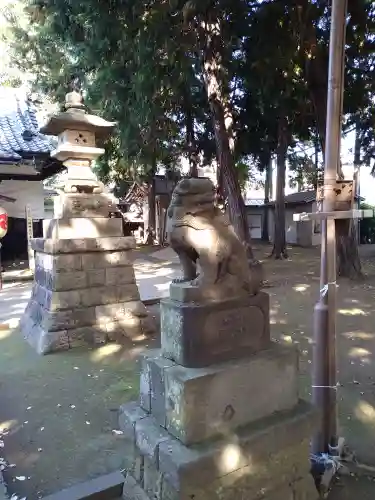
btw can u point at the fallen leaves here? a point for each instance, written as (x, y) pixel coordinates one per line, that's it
(117, 432)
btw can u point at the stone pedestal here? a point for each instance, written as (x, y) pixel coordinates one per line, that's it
(219, 416)
(84, 293)
(198, 334)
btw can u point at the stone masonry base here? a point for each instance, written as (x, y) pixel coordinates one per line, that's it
(267, 459)
(84, 293)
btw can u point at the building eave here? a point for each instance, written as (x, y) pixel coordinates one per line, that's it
(45, 169)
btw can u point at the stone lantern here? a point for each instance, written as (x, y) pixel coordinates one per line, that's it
(82, 196)
(84, 290)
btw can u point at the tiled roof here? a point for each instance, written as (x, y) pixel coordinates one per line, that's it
(19, 130)
(301, 197)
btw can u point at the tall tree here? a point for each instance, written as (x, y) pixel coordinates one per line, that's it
(268, 184)
(208, 25)
(279, 246)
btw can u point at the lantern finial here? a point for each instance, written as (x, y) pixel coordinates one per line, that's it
(74, 100)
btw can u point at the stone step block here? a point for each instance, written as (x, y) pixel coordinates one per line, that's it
(201, 334)
(70, 205)
(61, 263)
(100, 260)
(119, 275)
(81, 227)
(129, 414)
(121, 298)
(132, 491)
(195, 404)
(61, 320)
(269, 459)
(45, 341)
(75, 280)
(54, 320)
(152, 384)
(82, 245)
(104, 487)
(53, 330)
(71, 280)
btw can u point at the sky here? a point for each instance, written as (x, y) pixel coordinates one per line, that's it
(367, 181)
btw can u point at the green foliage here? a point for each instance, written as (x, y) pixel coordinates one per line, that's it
(140, 63)
(129, 70)
(367, 226)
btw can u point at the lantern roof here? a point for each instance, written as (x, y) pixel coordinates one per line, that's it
(76, 118)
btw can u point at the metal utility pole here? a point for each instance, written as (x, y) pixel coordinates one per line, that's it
(324, 354)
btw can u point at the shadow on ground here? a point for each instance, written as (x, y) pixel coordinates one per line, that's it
(61, 410)
(58, 413)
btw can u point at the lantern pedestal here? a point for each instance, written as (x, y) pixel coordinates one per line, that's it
(84, 290)
(84, 293)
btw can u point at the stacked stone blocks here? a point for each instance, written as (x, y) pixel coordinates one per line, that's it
(84, 293)
(234, 430)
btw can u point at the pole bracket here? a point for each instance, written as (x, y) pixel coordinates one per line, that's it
(337, 214)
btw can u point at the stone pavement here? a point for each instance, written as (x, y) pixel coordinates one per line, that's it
(154, 276)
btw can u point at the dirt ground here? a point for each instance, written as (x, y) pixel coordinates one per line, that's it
(59, 413)
(61, 410)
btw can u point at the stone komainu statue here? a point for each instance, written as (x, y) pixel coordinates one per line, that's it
(204, 240)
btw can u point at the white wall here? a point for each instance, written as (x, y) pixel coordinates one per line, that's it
(290, 225)
(26, 193)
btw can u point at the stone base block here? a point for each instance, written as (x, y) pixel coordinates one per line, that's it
(195, 404)
(63, 336)
(70, 205)
(83, 245)
(197, 335)
(267, 460)
(87, 295)
(81, 227)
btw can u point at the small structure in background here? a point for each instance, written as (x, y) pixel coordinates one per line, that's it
(305, 234)
(84, 290)
(25, 162)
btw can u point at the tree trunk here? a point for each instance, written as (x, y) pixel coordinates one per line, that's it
(279, 247)
(150, 235)
(267, 196)
(222, 116)
(190, 137)
(348, 260)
